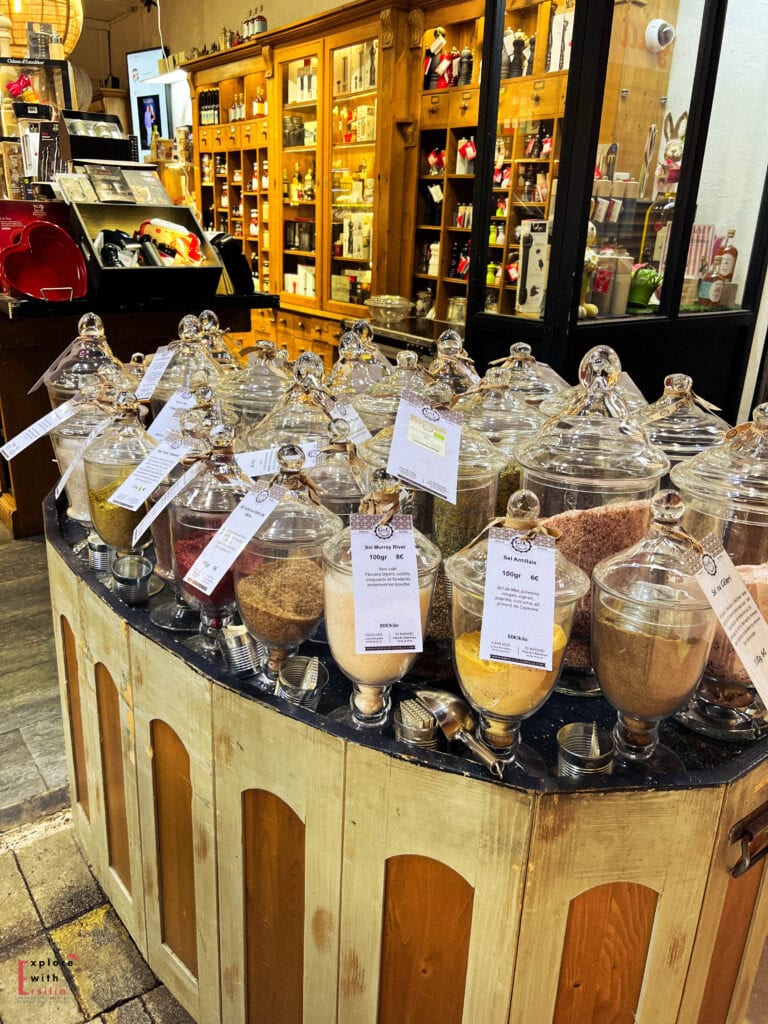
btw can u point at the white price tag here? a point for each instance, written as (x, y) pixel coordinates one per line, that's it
(241, 525)
(258, 463)
(165, 501)
(154, 372)
(425, 447)
(735, 607)
(137, 487)
(385, 583)
(168, 417)
(358, 432)
(39, 429)
(436, 192)
(98, 429)
(519, 605)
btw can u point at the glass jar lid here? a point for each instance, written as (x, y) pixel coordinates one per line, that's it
(680, 422)
(377, 406)
(214, 337)
(190, 362)
(467, 568)
(730, 480)
(258, 386)
(654, 573)
(302, 416)
(478, 457)
(82, 359)
(600, 361)
(452, 365)
(337, 475)
(125, 442)
(371, 351)
(383, 498)
(497, 412)
(298, 524)
(592, 445)
(525, 376)
(220, 485)
(354, 371)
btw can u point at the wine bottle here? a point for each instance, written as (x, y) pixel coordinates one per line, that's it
(728, 254)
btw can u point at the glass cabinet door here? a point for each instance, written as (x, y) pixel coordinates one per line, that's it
(298, 269)
(351, 201)
(535, 57)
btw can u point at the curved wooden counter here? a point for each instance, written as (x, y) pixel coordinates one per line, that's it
(275, 871)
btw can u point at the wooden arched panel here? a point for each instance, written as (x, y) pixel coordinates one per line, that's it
(273, 870)
(72, 676)
(604, 954)
(725, 962)
(175, 853)
(425, 942)
(110, 735)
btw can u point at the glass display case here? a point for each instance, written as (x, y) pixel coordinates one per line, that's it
(32, 81)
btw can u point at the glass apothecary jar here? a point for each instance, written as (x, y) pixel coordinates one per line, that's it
(191, 362)
(196, 514)
(279, 574)
(725, 490)
(247, 395)
(495, 411)
(372, 674)
(593, 474)
(108, 460)
(452, 365)
(532, 381)
(354, 371)
(377, 406)
(600, 361)
(681, 423)
(78, 366)
(652, 629)
(502, 692)
(68, 439)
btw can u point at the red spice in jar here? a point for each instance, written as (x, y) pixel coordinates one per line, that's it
(187, 551)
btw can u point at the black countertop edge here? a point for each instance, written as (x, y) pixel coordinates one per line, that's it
(37, 309)
(711, 763)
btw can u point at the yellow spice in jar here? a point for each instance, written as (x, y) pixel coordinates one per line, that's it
(501, 688)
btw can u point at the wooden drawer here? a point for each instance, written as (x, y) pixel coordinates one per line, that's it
(253, 133)
(435, 110)
(205, 139)
(539, 97)
(464, 106)
(264, 324)
(231, 133)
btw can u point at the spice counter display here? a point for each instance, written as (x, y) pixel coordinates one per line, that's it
(330, 756)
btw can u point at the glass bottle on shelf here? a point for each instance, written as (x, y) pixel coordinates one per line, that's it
(710, 289)
(728, 254)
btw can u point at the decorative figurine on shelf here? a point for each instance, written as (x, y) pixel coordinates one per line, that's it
(668, 171)
(519, 43)
(433, 267)
(588, 309)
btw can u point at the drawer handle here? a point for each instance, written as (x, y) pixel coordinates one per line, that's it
(464, 107)
(536, 98)
(300, 325)
(318, 330)
(283, 322)
(746, 832)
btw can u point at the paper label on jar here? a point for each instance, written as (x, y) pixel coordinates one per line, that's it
(358, 432)
(519, 607)
(385, 582)
(263, 462)
(137, 487)
(154, 372)
(242, 524)
(168, 417)
(78, 458)
(736, 609)
(165, 501)
(425, 447)
(39, 429)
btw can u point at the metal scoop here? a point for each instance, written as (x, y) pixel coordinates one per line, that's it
(455, 719)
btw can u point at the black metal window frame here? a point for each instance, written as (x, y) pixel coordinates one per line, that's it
(559, 337)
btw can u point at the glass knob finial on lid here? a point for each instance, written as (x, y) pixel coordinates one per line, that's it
(523, 505)
(190, 328)
(309, 364)
(90, 325)
(363, 329)
(290, 458)
(600, 361)
(209, 322)
(667, 507)
(450, 343)
(407, 358)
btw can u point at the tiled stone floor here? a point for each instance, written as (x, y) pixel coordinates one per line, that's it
(54, 911)
(33, 769)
